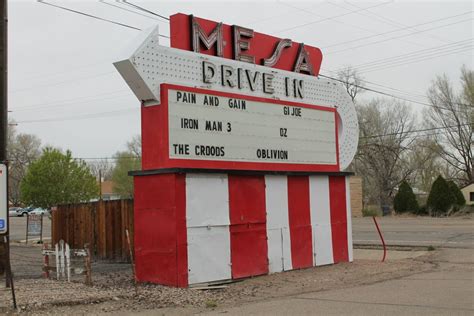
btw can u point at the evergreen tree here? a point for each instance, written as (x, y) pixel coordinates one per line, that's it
(405, 199)
(460, 200)
(440, 199)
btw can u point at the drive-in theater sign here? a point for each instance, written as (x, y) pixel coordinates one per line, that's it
(243, 152)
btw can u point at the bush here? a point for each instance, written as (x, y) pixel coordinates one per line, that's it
(423, 210)
(405, 199)
(441, 198)
(370, 212)
(460, 200)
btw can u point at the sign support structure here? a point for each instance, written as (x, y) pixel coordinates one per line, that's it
(5, 241)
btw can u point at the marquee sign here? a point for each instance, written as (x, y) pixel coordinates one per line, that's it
(235, 66)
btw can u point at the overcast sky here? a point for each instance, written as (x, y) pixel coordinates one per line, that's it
(64, 89)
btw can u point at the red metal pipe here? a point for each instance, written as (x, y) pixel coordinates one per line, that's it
(381, 238)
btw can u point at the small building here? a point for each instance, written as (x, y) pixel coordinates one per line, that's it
(107, 191)
(468, 192)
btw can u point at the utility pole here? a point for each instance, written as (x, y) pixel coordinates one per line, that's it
(5, 238)
(3, 84)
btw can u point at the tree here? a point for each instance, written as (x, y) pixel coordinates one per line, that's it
(22, 150)
(384, 142)
(57, 178)
(440, 199)
(126, 161)
(405, 199)
(454, 112)
(459, 197)
(351, 80)
(102, 167)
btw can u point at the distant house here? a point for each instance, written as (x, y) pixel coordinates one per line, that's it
(107, 189)
(468, 192)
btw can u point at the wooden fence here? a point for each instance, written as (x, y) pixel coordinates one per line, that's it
(100, 224)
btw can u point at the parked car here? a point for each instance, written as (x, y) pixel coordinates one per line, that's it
(40, 211)
(14, 211)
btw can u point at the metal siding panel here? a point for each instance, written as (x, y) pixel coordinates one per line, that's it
(321, 220)
(299, 217)
(349, 220)
(249, 252)
(275, 250)
(208, 254)
(246, 199)
(287, 264)
(337, 200)
(207, 200)
(276, 198)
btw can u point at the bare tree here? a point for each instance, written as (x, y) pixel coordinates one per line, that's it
(455, 113)
(102, 167)
(384, 142)
(23, 149)
(135, 146)
(352, 81)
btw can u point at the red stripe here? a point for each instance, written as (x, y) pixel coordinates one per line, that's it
(337, 200)
(299, 217)
(181, 231)
(160, 229)
(248, 233)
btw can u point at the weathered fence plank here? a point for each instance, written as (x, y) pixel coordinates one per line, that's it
(100, 224)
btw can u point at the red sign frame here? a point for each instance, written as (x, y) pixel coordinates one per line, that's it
(155, 138)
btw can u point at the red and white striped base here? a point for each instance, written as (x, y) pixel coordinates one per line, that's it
(196, 227)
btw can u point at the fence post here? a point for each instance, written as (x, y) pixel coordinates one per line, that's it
(87, 264)
(67, 255)
(46, 262)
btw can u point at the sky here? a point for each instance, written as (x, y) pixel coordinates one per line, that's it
(64, 89)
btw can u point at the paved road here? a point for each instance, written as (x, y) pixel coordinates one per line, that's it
(449, 290)
(423, 231)
(18, 228)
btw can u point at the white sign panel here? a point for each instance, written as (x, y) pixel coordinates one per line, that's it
(210, 127)
(3, 199)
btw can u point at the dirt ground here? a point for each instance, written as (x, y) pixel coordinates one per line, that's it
(114, 292)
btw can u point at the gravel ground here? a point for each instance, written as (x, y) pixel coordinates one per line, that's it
(113, 290)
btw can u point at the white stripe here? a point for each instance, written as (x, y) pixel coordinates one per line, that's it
(207, 200)
(207, 223)
(349, 219)
(321, 220)
(278, 234)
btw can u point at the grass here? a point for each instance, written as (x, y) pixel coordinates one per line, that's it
(211, 304)
(431, 248)
(370, 212)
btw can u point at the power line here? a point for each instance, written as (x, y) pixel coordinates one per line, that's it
(416, 131)
(418, 59)
(80, 117)
(390, 95)
(396, 37)
(89, 15)
(410, 54)
(62, 82)
(386, 20)
(145, 10)
(337, 21)
(125, 9)
(399, 29)
(331, 17)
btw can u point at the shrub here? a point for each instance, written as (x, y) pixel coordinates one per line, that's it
(460, 200)
(369, 212)
(405, 199)
(441, 198)
(423, 210)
